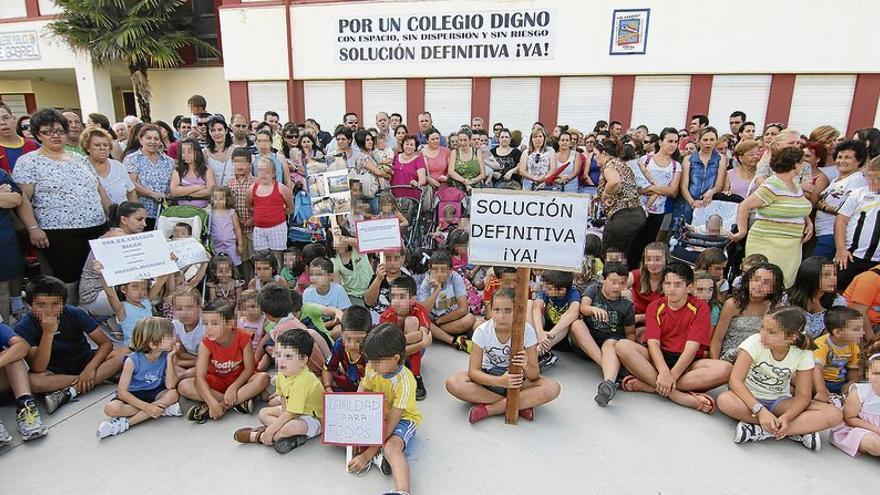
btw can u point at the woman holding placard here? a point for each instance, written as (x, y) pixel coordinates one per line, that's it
(62, 198)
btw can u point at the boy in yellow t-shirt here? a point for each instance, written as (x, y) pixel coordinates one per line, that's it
(298, 418)
(837, 353)
(385, 349)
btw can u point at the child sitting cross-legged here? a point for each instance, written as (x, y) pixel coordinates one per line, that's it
(410, 316)
(385, 348)
(837, 354)
(443, 293)
(13, 350)
(347, 364)
(188, 329)
(137, 304)
(487, 379)
(297, 417)
(62, 363)
(760, 384)
(609, 318)
(555, 313)
(678, 332)
(147, 384)
(322, 289)
(860, 430)
(225, 377)
(282, 308)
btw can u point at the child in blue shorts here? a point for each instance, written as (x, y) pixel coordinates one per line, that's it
(385, 348)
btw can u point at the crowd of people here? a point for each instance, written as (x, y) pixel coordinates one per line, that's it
(780, 301)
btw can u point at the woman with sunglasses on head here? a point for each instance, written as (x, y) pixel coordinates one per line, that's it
(63, 204)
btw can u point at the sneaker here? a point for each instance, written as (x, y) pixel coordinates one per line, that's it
(113, 427)
(747, 432)
(548, 360)
(246, 407)
(5, 437)
(812, 441)
(285, 445)
(605, 393)
(836, 400)
(173, 410)
(198, 413)
(478, 413)
(462, 344)
(380, 462)
(56, 399)
(421, 393)
(30, 425)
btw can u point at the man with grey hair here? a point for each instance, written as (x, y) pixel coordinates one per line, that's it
(121, 134)
(382, 124)
(426, 122)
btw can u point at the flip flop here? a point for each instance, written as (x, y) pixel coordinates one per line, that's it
(703, 398)
(630, 383)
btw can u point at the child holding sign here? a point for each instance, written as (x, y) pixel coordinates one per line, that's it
(297, 418)
(225, 377)
(385, 349)
(137, 304)
(487, 380)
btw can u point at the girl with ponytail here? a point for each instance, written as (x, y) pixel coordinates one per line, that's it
(760, 384)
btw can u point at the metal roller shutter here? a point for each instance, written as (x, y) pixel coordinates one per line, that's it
(325, 102)
(449, 101)
(583, 101)
(10, 9)
(16, 104)
(514, 102)
(265, 96)
(383, 95)
(821, 100)
(660, 101)
(748, 93)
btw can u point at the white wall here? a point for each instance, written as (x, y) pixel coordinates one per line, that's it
(514, 102)
(325, 102)
(820, 100)
(10, 9)
(265, 96)
(748, 93)
(449, 101)
(582, 34)
(383, 95)
(171, 89)
(660, 101)
(583, 101)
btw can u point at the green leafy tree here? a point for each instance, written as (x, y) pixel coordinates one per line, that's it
(140, 33)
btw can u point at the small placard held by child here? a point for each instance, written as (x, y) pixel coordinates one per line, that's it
(133, 257)
(528, 229)
(354, 419)
(381, 234)
(189, 251)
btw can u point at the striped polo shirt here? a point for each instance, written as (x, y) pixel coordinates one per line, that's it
(783, 211)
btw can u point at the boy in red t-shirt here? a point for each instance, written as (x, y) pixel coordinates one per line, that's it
(678, 329)
(225, 377)
(412, 317)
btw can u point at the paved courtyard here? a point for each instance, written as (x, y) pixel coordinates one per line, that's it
(640, 444)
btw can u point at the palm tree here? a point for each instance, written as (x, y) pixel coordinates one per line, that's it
(140, 33)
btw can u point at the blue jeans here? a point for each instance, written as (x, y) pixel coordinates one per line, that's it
(824, 246)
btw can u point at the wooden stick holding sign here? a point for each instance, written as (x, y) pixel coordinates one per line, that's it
(517, 336)
(526, 230)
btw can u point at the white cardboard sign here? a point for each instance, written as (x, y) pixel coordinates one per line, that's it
(189, 251)
(133, 257)
(354, 418)
(380, 234)
(528, 229)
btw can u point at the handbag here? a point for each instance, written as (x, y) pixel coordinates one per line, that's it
(369, 183)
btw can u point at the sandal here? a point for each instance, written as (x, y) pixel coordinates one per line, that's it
(462, 344)
(703, 398)
(631, 383)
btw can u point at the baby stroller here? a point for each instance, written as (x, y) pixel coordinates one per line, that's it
(411, 209)
(709, 229)
(447, 214)
(171, 214)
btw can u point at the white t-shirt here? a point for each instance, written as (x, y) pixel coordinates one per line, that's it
(496, 355)
(769, 379)
(861, 202)
(117, 183)
(835, 195)
(191, 339)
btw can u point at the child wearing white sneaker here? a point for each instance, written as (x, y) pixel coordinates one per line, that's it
(148, 379)
(860, 430)
(760, 384)
(14, 377)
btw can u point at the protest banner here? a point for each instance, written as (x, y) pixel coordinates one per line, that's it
(188, 251)
(329, 188)
(526, 230)
(133, 257)
(446, 37)
(353, 419)
(378, 235)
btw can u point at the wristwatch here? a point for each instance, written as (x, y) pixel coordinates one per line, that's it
(756, 409)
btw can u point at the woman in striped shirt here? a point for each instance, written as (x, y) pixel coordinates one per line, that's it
(782, 215)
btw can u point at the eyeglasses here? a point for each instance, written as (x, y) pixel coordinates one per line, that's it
(201, 124)
(290, 136)
(350, 122)
(58, 131)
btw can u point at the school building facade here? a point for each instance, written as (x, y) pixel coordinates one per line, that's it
(652, 62)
